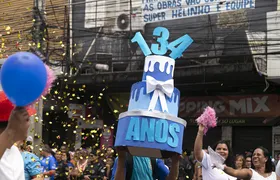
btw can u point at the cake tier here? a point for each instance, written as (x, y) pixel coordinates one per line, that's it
(159, 67)
(150, 134)
(139, 99)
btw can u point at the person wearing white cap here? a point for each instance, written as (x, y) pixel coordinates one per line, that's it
(29, 139)
(29, 142)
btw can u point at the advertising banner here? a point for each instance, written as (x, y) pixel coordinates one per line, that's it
(163, 10)
(232, 106)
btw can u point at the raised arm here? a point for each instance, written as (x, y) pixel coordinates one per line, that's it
(238, 173)
(174, 171)
(198, 153)
(16, 130)
(120, 172)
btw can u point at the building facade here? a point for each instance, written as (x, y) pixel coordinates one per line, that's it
(227, 66)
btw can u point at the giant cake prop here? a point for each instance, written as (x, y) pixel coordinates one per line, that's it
(151, 126)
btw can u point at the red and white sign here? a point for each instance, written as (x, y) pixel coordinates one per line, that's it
(232, 106)
(107, 138)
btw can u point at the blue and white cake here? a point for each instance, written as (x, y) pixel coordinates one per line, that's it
(158, 69)
(151, 126)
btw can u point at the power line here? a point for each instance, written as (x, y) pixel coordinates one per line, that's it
(177, 27)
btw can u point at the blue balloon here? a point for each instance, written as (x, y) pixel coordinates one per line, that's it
(23, 78)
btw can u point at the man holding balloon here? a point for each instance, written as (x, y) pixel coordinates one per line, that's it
(11, 163)
(24, 79)
(14, 130)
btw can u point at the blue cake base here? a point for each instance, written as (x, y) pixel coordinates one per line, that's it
(150, 133)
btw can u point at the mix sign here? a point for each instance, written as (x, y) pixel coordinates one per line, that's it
(232, 106)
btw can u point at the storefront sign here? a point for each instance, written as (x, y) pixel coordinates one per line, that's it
(240, 121)
(232, 106)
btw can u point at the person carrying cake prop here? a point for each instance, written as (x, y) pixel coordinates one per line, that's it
(151, 127)
(24, 79)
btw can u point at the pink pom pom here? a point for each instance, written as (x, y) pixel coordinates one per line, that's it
(51, 78)
(207, 119)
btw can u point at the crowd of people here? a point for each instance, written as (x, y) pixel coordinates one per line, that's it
(18, 162)
(97, 164)
(62, 164)
(259, 168)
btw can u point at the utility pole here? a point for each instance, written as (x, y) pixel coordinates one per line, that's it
(38, 35)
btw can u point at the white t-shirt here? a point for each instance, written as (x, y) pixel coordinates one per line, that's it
(257, 176)
(210, 173)
(11, 165)
(277, 170)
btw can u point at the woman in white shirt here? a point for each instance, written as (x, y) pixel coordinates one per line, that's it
(222, 148)
(277, 170)
(262, 171)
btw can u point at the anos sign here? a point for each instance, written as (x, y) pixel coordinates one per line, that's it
(163, 10)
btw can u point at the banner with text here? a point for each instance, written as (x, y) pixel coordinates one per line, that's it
(232, 106)
(163, 10)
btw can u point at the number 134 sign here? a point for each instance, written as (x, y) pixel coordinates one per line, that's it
(176, 47)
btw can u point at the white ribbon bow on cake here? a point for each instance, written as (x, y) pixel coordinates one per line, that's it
(160, 89)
